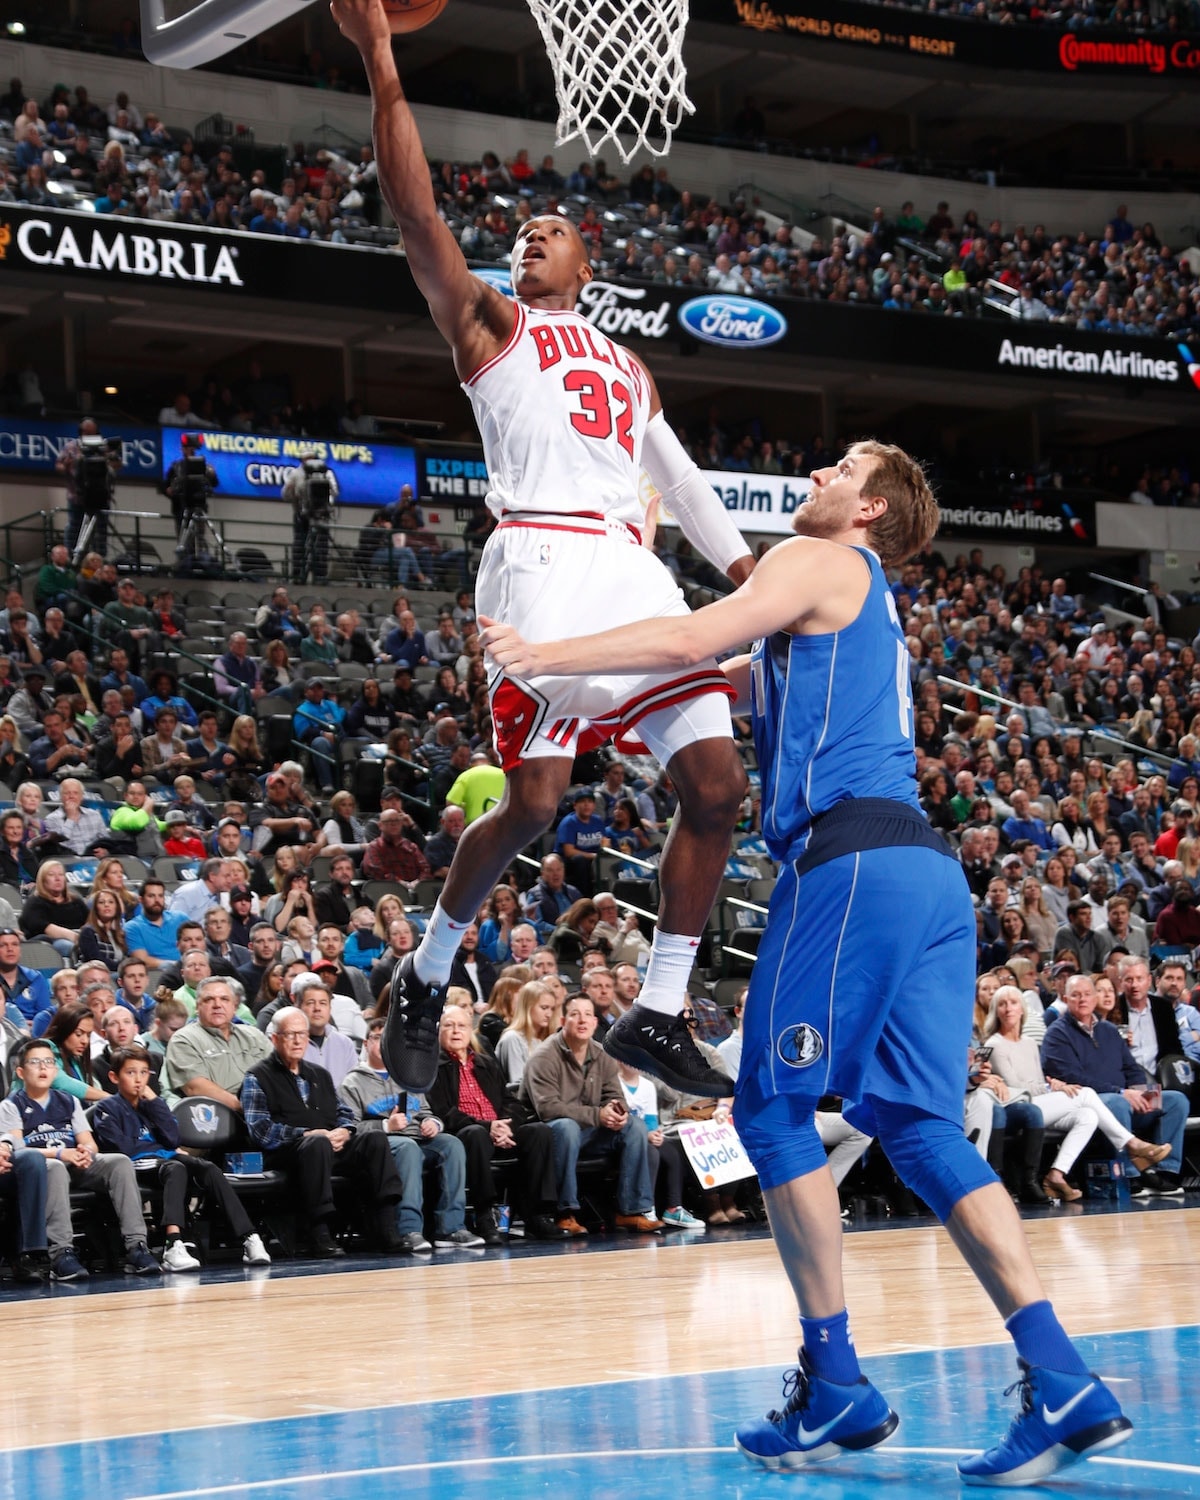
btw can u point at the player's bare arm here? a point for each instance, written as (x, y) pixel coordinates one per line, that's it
(689, 497)
(474, 318)
(806, 585)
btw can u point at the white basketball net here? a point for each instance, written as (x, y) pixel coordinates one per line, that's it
(618, 66)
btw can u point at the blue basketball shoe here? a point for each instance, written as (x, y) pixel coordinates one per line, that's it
(819, 1421)
(1063, 1418)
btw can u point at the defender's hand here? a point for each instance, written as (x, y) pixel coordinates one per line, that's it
(362, 22)
(508, 649)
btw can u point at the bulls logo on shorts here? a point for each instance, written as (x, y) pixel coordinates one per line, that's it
(800, 1046)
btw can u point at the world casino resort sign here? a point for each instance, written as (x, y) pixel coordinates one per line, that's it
(950, 40)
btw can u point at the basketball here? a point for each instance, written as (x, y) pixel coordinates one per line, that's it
(411, 15)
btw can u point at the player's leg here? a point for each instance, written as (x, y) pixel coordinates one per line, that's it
(531, 796)
(694, 741)
(829, 1405)
(1066, 1413)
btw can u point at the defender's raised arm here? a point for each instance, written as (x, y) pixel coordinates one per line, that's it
(473, 318)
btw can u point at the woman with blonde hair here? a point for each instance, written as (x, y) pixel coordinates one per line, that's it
(243, 742)
(1097, 819)
(1039, 923)
(53, 912)
(1188, 855)
(387, 909)
(1014, 1058)
(497, 1015)
(532, 1022)
(110, 876)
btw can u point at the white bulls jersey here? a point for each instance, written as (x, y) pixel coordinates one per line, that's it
(562, 411)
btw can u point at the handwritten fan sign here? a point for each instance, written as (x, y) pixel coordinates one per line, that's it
(716, 1154)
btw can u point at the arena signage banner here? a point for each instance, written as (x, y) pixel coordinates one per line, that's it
(32, 447)
(256, 465)
(1034, 518)
(880, 30)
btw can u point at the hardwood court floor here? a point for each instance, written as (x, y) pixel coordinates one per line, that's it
(261, 1348)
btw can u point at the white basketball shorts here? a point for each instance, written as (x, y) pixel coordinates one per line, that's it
(554, 576)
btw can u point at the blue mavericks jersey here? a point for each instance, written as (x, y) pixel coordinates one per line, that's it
(833, 718)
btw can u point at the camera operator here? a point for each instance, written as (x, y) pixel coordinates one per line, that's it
(89, 465)
(312, 489)
(189, 482)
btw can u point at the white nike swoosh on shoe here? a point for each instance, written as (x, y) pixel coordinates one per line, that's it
(1053, 1418)
(818, 1433)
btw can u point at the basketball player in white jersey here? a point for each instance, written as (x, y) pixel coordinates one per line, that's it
(568, 419)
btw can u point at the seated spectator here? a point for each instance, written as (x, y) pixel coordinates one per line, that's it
(152, 934)
(573, 1085)
(550, 896)
(1014, 1059)
(295, 898)
(363, 943)
(119, 1028)
(53, 912)
(138, 1124)
(294, 1115)
(401, 939)
(235, 675)
(180, 839)
(394, 856)
(470, 971)
(17, 864)
(500, 913)
(648, 1100)
(102, 935)
(24, 989)
(193, 898)
(222, 950)
(1078, 1049)
(134, 978)
(209, 757)
(80, 829)
(405, 644)
(164, 753)
(280, 821)
(579, 839)
(439, 850)
(211, 1057)
(344, 830)
(469, 1095)
(417, 1138)
(1178, 923)
(1089, 948)
(533, 1019)
(574, 934)
(39, 1117)
(166, 1018)
(626, 945)
(164, 693)
(477, 789)
(327, 1048)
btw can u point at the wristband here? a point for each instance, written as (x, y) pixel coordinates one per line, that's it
(58, 1154)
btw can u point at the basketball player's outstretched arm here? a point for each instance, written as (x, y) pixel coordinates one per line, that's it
(473, 318)
(803, 583)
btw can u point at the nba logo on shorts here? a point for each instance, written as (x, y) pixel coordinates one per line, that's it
(800, 1046)
(544, 554)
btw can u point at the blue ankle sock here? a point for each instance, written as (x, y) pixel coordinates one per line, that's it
(1042, 1340)
(830, 1349)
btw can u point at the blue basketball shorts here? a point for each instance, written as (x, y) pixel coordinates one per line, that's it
(863, 988)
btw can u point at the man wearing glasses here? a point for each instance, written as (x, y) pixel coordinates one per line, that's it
(296, 1118)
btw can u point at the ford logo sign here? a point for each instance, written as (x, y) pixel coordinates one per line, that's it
(494, 276)
(732, 320)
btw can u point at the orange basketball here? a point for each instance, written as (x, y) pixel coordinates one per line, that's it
(411, 15)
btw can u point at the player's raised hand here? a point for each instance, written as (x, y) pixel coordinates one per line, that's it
(362, 22)
(508, 649)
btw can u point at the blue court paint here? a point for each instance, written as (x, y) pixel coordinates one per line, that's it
(662, 1437)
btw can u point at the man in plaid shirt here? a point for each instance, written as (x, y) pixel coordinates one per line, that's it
(391, 856)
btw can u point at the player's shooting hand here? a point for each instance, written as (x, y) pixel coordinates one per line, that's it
(362, 21)
(508, 649)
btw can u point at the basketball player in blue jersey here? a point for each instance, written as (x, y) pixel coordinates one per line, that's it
(568, 419)
(870, 911)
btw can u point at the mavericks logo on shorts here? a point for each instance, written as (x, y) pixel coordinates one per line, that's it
(800, 1046)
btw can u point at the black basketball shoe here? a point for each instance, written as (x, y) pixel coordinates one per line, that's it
(410, 1033)
(653, 1042)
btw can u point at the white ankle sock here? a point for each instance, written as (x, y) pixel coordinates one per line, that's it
(671, 959)
(433, 958)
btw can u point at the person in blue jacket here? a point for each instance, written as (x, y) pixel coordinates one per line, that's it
(136, 1123)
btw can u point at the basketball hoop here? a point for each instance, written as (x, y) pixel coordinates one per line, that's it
(618, 66)
(209, 29)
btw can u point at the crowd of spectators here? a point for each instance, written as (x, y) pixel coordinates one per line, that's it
(197, 909)
(1121, 279)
